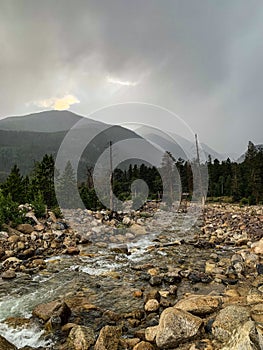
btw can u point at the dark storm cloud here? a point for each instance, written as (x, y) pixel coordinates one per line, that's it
(200, 58)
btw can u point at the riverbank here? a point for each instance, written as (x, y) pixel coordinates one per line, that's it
(134, 282)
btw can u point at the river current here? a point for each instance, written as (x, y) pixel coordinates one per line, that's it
(108, 278)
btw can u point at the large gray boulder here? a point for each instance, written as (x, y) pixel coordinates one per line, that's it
(81, 338)
(176, 326)
(199, 304)
(229, 320)
(54, 308)
(245, 337)
(108, 338)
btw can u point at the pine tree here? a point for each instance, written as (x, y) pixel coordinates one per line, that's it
(252, 168)
(42, 180)
(67, 187)
(15, 186)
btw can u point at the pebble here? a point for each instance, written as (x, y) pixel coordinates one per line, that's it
(152, 305)
(8, 275)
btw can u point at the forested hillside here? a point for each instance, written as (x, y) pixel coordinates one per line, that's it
(238, 182)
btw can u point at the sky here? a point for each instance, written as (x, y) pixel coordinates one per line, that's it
(200, 59)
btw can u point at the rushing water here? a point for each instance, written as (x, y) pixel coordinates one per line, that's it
(91, 269)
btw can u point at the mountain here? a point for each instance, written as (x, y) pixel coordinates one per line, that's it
(214, 154)
(49, 121)
(26, 139)
(177, 145)
(242, 157)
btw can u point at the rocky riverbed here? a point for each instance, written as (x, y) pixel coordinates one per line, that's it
(100, 281)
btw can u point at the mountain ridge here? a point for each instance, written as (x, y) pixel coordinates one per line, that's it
(26, 139)
(45, 121)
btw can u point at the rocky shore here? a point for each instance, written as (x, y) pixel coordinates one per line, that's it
(200, 291)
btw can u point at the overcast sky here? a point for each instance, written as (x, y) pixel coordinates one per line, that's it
(201, 59)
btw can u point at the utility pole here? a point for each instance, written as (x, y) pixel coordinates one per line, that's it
(199, 171)
(111, 179)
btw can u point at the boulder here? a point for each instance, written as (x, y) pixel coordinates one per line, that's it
(25, 228)
(156, 280)
(137, 230)
(20, 246)
(52, 217)
(13, 239)
(129, 343)
(152, 305)
(72, 250)
(228, 320)
(78, 303)
(143, 345)
(54, 308)
(8, 275)
(108, 338)
(150, 333)
(12, 260)
(81, 338)
(126, 220)
(137, 293)
(254, 296)
(27, 253)
(121, 249)
(245, 337)
(53, 324)
(260, 337)
(39, 227)
(199, 305)
(257, 313)
(176, 326)
(39, 262)
(210, 267)
(257, 247)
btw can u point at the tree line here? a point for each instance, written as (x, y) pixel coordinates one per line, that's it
(239, 182)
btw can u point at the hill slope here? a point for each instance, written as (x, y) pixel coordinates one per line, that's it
(49, 121)
(26, 139)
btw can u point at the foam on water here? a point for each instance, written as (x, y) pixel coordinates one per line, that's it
(21, 305)
(139, 249)
(95, 271)
(99, 266)
(103, 264)
(53, 258)
(25, 336)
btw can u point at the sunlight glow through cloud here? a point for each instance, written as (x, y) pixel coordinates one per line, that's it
(58, 104)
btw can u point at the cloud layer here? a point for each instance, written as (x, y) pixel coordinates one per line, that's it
(201, 59)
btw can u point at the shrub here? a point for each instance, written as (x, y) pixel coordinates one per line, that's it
(243, 201)
(56, 210)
